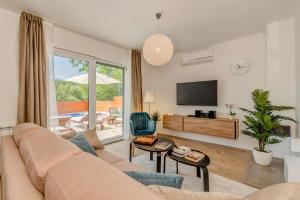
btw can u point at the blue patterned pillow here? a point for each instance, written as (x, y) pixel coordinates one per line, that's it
(80, 141)
(156, 179)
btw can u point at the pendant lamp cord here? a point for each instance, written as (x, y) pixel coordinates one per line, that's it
(158, 16)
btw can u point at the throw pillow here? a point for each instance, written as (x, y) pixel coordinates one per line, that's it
(156, 179)
(90, 136)
(80, 141)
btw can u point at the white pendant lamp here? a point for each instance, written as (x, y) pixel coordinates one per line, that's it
(158, 48)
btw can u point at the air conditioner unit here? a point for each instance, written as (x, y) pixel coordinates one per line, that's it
(197, 57)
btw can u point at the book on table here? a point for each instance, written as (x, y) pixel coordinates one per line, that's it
(194, 156)
(181, 151)
(162, 145)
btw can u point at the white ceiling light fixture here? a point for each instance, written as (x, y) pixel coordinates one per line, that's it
(158, 49)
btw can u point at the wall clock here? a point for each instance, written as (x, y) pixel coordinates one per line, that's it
(240, 67)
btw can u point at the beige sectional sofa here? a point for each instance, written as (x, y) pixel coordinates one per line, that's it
(37, 164)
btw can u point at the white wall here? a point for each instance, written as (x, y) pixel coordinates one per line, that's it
(233, 89)
(63, 39)
(281, 76)
(69, 40)
(9, 67)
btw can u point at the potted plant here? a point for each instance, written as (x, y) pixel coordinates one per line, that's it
(155, 116)
(231, 115)
(262, 123)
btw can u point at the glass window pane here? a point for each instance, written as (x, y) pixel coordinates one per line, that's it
(72, 94)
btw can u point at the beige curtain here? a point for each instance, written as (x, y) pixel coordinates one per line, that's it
(136, 77)
(32, 101)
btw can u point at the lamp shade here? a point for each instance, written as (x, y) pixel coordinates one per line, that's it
(149, 97)
(158, 50)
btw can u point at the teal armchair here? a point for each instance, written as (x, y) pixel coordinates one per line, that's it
(141, 124)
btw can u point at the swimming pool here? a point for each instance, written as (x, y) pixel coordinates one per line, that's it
(79, 114)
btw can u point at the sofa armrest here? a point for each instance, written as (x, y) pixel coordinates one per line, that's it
(176, 194)
(283, 191)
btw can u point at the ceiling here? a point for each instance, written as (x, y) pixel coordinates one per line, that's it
(189, 23)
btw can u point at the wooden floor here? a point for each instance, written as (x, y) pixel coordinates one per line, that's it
(237, 164)
(233, 163)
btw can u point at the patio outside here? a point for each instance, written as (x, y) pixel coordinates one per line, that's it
(72, 93)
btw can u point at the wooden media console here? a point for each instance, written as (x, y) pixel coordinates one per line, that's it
(220, 127)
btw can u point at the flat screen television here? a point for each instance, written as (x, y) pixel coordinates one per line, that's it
(202, 93)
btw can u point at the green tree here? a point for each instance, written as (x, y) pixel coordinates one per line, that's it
(69, 91)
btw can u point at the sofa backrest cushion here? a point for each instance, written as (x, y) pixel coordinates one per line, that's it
(85, 176)
(42, 151)
(16, 184)
(24, 129)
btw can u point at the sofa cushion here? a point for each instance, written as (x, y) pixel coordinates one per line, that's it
(24, 129)
(125, 165)
(107, 156)
(42, 151)
(175, 194)
(14, 176)
(148, 178)
(87, 177)
(80, 141)
(283, 191)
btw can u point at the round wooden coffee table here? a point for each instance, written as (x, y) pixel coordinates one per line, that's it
(202, 164)
(152, 150)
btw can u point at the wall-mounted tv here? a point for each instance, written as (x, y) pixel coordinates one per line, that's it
(202, 93)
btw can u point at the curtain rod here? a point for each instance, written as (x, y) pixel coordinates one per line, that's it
(36, 15)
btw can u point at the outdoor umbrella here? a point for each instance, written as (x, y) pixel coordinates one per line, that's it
(100, 79)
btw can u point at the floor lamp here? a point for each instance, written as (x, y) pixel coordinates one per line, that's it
(149, 98)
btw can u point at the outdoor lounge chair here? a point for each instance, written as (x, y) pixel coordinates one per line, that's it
(84, 121)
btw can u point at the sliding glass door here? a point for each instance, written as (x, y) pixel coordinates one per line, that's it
(88, 94)
(109, 100)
